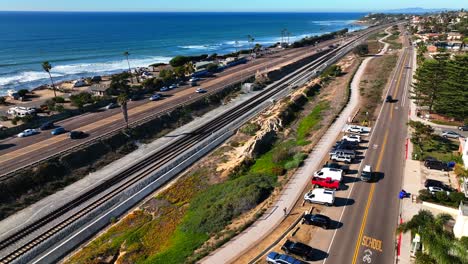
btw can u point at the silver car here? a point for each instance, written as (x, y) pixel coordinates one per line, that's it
(450, 134)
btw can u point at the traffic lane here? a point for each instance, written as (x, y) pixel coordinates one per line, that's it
(378, 239)
(353, 222)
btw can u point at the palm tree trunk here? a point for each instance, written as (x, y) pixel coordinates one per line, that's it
(53, 85)
(129, 70)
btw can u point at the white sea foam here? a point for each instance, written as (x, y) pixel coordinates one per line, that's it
(30, 79)
(331, 22)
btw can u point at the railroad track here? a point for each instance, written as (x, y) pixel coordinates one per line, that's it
(135, 173)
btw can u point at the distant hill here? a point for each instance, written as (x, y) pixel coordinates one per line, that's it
(416, 10)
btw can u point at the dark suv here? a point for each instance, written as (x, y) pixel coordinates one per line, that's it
(299, 249)
(317, 220)
(435, 164)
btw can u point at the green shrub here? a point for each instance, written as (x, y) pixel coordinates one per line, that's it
(281, 154)
(2, 100)
(250, 129)
(58, 100)
(210, 211)
(23, 92)
(292, 164)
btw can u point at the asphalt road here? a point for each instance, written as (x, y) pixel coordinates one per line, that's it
(369, 222)
(18, 152)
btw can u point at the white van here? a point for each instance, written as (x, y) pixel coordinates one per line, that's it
(366, 173)
(334, 174)
(320, 196)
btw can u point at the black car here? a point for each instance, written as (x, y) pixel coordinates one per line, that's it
(299, 249)
(47, 125)
(77, 134)
(435, 183)
(348, 143)
(463, 128)
(389, 99)
(317, 220)
(435, 164)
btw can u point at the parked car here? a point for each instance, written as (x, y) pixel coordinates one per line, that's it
(155, 97)
(47, 125)
(77, 134)
(355, 129)
(79, 83)
(433, 190)
(389, 99)
(111, 105)
(347, 142)
(302, 250)
(57, 131)
(327, 183)
(200, 90)
(334, 174)
(27, 133)
(435, 164)
(173, 86)
(194, 79)
(277, 258)
(164, 89)
(435, 183)
(450, 134)
(342, 158)
(320, 196)
(366, 173)
(355, 138)
(463, 128)
(317, 220)
(335, 165)
(343, 152)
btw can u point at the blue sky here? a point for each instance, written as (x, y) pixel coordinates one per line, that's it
(223, 5)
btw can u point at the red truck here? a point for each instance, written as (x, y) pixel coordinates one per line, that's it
(326, 183)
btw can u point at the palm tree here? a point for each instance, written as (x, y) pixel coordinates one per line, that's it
(189, 68)
(439, 243)
(126, 54)
(250, 39)
(122, 99)
(47, 67)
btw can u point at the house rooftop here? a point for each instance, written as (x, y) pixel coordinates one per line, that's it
(99, 87)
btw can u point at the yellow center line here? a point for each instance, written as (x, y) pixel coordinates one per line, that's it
(369, 201)
(400, 75)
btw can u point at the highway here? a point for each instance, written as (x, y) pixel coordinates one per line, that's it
(370, 220)
(19, 152)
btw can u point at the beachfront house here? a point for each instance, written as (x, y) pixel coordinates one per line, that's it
(99, 89)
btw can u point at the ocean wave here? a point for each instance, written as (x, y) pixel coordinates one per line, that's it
(30, 79)
(201, 47)
(331, 22)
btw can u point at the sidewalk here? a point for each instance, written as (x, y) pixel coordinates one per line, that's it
(273, 217)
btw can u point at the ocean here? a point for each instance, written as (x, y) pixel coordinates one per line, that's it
(86, 44)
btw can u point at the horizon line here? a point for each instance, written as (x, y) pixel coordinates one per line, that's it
(225, 11)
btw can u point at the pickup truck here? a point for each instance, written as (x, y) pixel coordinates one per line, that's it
(327, 183)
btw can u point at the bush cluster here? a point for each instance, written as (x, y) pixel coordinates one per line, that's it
(451, 200)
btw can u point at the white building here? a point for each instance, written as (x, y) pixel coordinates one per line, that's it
(461, 225)
(464, 151)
